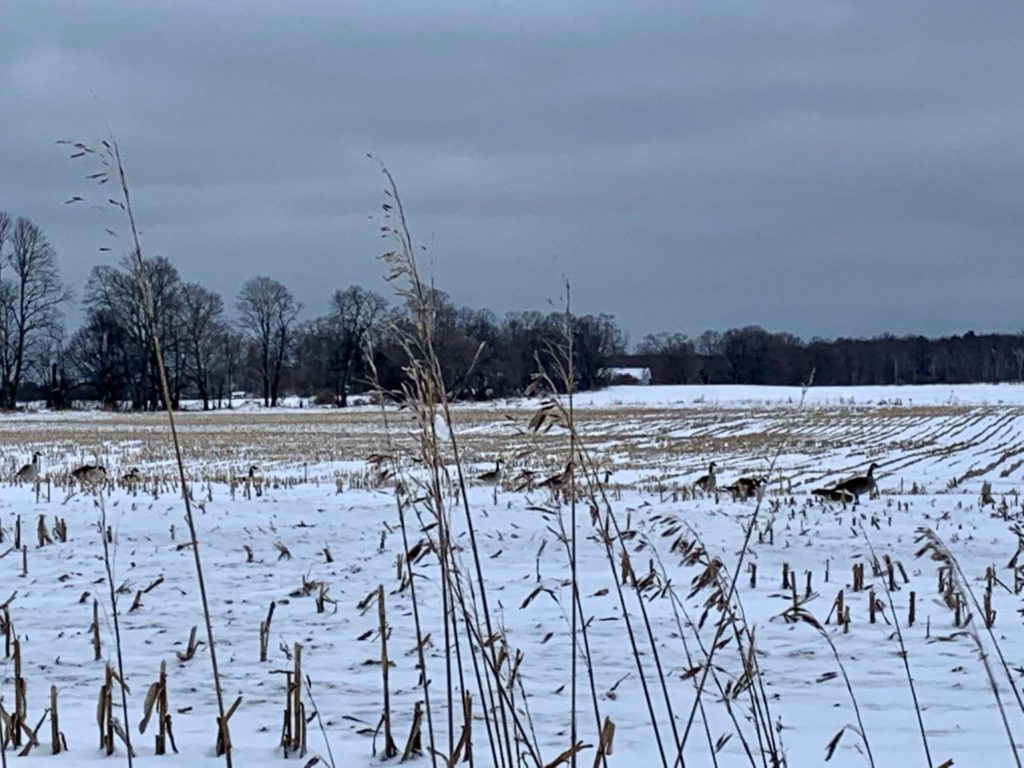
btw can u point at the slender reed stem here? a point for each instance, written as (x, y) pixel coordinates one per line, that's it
(570, 385)
(849, 687)
(579, 616)
(109, 567)
(904, 656)
(995, 692)
(165, 392)
(734, 580)
(429, 368)
(966, 584)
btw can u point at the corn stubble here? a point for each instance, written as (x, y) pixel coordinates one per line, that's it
(484, 695)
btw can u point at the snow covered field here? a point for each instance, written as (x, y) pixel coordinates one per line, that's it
(935, 447)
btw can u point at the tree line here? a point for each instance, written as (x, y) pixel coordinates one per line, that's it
(266, 348)
(752, 355)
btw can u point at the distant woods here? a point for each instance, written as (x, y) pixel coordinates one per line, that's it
(262, 342)
(753, 355)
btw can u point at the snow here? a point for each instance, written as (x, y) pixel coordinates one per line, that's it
(946, 441)
(722, 394)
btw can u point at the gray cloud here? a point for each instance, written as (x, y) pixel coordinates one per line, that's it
(821, 167)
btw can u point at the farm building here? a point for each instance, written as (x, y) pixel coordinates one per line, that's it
(640, 376)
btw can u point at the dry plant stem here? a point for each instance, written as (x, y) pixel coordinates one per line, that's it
(570, 387)
(652, 640)
(490, 665)
(446, 614)
(590, 671)
(610, 557)
(3, 740)
(432, 364)
(592, 480)
(995, 692)
(485, 688)
(475, 550)
(650, 631)
(474, 638)
(492, 733)
(563, 365)
(390, 750)
(395, 471)
(419, 634)
(451, 631)
(423, 401)
(903, 655)
(165, 392)
(853, 699)
(578, 614)
(505, 697)
(449, 572)
(677, 606)
(319, 720)
(759, 708)
(109, 567)
(965, 583)
(605, 536)
(734, 580)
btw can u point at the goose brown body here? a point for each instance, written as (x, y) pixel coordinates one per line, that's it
(557, 483)
(708, 482)
(90, 474)
(29, 472)
(745, 487)
(492, 476)
(852, 488)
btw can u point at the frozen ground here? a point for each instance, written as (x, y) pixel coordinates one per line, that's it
(935, 447)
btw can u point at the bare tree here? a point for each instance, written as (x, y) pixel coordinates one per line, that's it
(31, 297)
(49, 368)
(267, 313)
(96, 355)
(202, 313)
(5, 230)
(596, 338)
(230, 345)
(115, 295)
(354, 313)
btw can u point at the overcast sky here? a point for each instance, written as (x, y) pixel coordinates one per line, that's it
(827, 168)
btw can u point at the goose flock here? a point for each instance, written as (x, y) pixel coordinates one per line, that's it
(848, 490)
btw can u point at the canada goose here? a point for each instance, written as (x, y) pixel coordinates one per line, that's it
(854, 487)
(493, 478)
(254, 480)
(90, 475)
(29, 472)
(745, 487)
(494, 475)
(557, 483)
(861, 484)
(525, 480)
(707, 483)
(132, 477)
(834, 494)
(381, 470)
